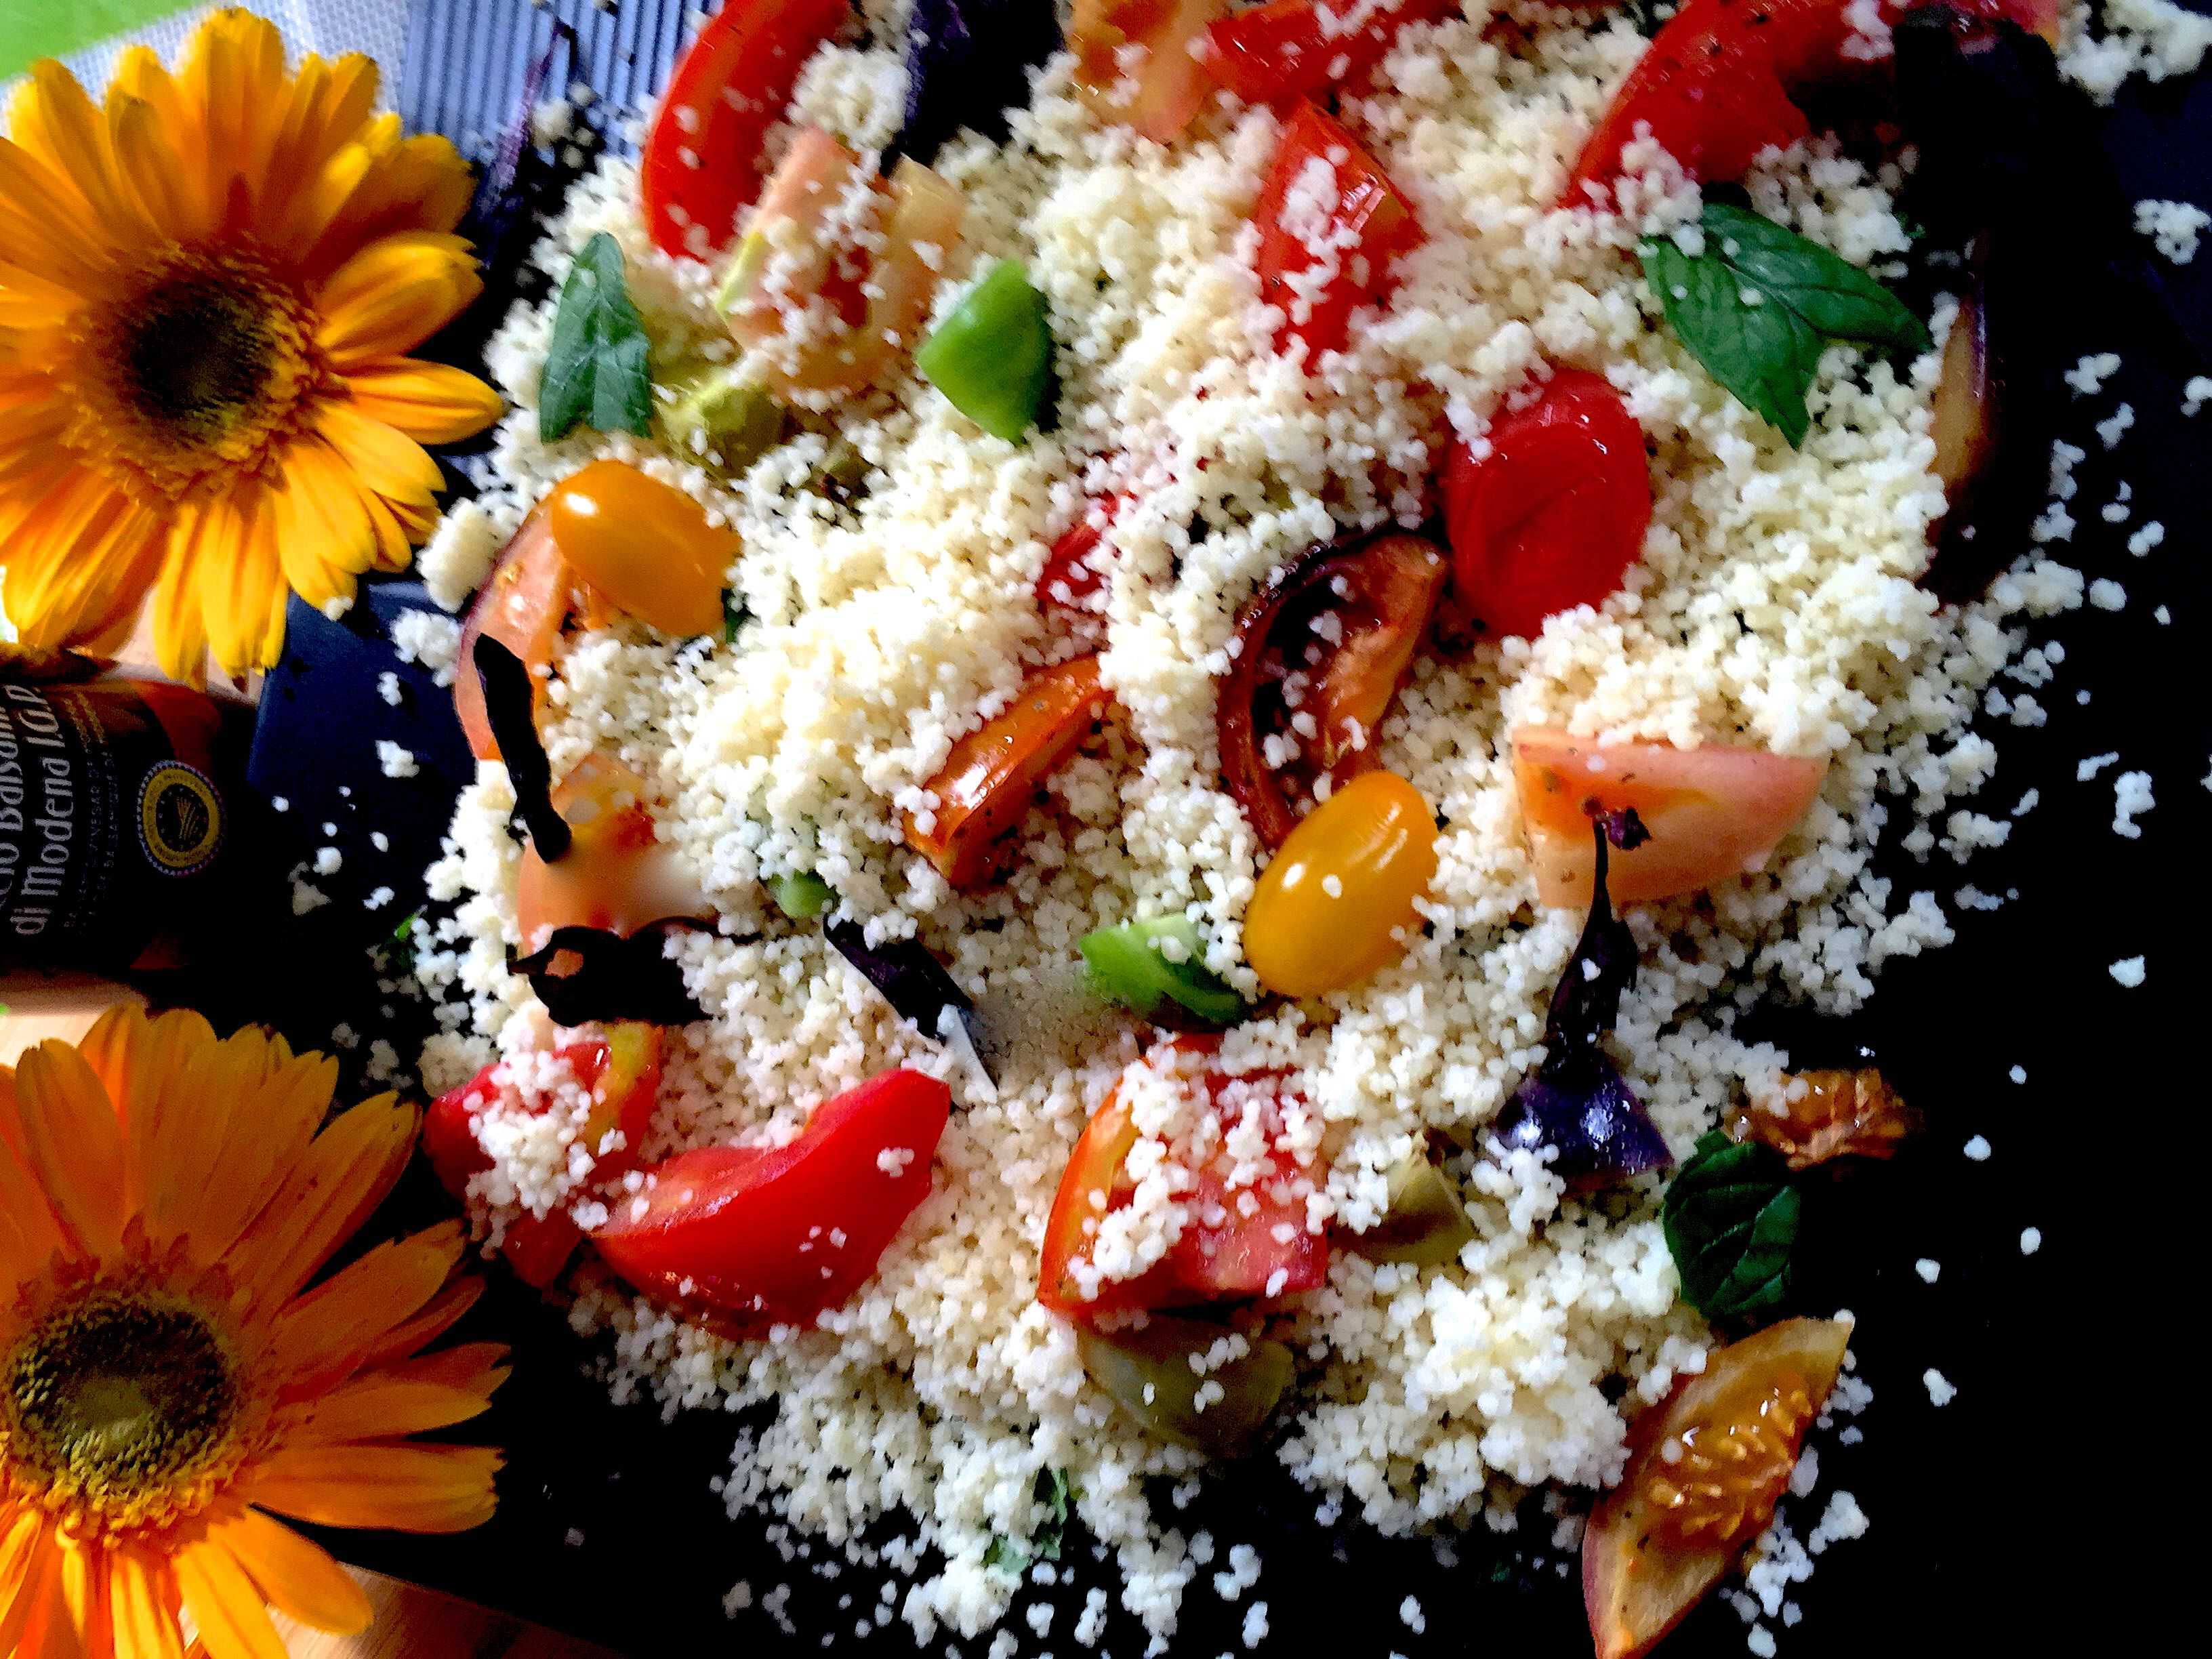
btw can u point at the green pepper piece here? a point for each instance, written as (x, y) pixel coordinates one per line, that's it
(803, 895)
(1148, 1374)
(1130, 965)
(1425, 1224)
(723, 423)
(992, 355)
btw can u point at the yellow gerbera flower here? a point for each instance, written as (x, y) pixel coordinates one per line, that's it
(208, 287)
(168, 1383)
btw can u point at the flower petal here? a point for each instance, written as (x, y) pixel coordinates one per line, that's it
(72, 1141)
(394, 295)
(377, 1408)
(148, 169)
(384, 459)
(443, 1313)
(30, 1566)
(180, 635)
(54, 120)
(430, 402)
(232, 1620)
(324, 533)
(321, 1337)
(327, 1195)
(239, 570)
(299, 1578)
(435, 1489)
(43, 224)
(142, 1599)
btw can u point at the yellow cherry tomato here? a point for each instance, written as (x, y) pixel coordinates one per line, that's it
(644, 545)
(1324, 917)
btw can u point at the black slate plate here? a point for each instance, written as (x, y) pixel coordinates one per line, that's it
(1994, 1518)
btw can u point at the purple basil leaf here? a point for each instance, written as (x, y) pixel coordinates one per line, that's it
(510, 706)
(914, 981)
(1576, 1101)
(615, 977)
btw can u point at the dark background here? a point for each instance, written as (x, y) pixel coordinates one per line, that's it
(2024, 1505)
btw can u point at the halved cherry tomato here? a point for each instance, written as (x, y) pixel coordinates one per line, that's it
(985, 786)
(1704, 1471)
(825, 321)
(1320, 650)
(1336, 903)
(1555, 513)
(1228, 1250)
(779, 1235)
(699, 169)
(522, 604)
(616, 874)
(1716, 84)
(623, 1071)
(1714, 813)
(1159, 89)
(1292, 48)
(1331, 223)
(643, 545)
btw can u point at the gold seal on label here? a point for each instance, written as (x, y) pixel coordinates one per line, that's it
(179, 818)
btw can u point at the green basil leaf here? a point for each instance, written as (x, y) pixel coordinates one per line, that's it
(735, 616)
(1731, 1218)
(1758, 306)
(596, 371)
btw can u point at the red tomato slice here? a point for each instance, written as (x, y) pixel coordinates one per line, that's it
(1748, 1410)
(1554, 515)
(537, 1248)
(1715, 813)
(1159, 94)
(1070, 580)
(522, 604)
(700, 170)
(1292, 48)
(984, 789)
(616, 874)
(1322, 263)
(779, 1237)
(1223, 1255)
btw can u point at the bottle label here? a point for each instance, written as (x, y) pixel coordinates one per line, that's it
(100, 819)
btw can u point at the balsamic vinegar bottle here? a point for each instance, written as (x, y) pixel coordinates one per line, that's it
(119, 807)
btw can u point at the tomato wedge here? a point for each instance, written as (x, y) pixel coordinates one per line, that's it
(1653, 1547)
(984, 789)
(522, 604)
(780, 1235)
(622, 1071)
(1228, 1250)
(1321, 649)
(1715, 813)
(1330, 224)
(1071, 580)
(700, 167)
(1136, 63)
(1555, 513)
(1294, 48)
(617, 874)
(799, 295)
(1718, 84)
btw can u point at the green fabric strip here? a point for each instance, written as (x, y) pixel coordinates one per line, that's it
(31, 29)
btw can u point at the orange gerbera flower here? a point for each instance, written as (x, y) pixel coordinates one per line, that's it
(208, 287)
(169, 1382)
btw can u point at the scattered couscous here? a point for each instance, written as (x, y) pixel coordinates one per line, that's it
(890, 595)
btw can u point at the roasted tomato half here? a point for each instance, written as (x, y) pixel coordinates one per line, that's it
(617, 875)
(1293, 48)
(1136, 61)
(765, 1236)
(1554, 512)
(1246, 1236)
(1320, 653)
(1331, 223)
(985, 787)
(1705, 1470)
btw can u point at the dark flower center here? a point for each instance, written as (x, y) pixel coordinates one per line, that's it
(197, 355)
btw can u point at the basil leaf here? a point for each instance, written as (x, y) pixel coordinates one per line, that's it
(1758, 306)
(735, 616)
(1731, 1219)
(597, 370)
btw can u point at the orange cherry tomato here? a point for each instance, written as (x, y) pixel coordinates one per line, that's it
(522, 604)
(643, 545)
(1714, 813)
(1337, 902)
(616, 874)
(985, 788)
